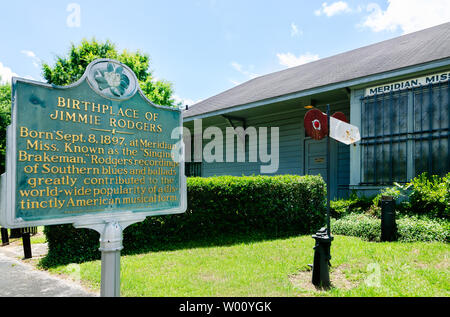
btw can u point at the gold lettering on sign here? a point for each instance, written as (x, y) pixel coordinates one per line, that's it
(100, 156)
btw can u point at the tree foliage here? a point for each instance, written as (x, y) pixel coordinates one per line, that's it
(70, 68)
(5, 119)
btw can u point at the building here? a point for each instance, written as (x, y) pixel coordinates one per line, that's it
(396, 91)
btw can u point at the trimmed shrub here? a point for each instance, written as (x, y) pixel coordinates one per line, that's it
(217, 207)
(412, 229)
(358, 225)
(409, 229)
(354, 204)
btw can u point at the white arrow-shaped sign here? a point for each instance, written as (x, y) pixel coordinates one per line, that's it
(344, 132)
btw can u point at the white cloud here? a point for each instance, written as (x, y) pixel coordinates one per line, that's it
(295, 31)
(6, 74)
(185, 101)
(29, 53)
(237, 66)
(408, 15)
(36, 60)
(30, 77)
(333, 9)
(234, 82)
(290, 60)
(247, 73)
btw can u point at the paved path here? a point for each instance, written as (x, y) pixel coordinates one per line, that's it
(20, 279)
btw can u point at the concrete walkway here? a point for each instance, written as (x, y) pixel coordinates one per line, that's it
(21, 279)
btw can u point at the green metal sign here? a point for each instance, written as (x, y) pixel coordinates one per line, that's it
(92, 150)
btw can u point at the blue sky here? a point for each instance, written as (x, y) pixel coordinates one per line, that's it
(206, 46)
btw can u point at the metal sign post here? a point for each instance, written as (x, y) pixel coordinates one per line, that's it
(328, 173)
(111, 238)
(319, 125)
(322, 254)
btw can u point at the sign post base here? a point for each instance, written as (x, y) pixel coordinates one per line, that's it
(111, 238)
(322, 257)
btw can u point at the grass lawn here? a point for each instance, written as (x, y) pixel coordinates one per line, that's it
(279, 268)
(39, 237)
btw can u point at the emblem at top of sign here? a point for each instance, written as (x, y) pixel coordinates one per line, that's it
(112, 79)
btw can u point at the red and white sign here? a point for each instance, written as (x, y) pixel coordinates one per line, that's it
(316, 124)
(316, 127)
(343, 132)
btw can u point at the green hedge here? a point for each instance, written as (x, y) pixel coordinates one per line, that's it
(217, 207)
(409, 228)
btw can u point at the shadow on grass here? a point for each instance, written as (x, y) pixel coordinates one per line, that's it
(132, 246)
(224, 240)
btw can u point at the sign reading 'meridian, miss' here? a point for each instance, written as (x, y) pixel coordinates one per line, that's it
(408, 84)
(91, 150)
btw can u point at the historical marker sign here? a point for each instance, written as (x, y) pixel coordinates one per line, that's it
(97, 149)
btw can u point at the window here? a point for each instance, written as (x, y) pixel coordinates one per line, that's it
(431, 129)
(192, 166)
(405, 133)
(193, 169)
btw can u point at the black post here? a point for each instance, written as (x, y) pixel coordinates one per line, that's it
(5, 238)
(15, 233)
(322, 252)
(26, 245)
(388, 224)
(322, 257)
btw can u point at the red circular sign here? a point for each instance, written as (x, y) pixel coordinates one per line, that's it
(340, 116)
(316, 124)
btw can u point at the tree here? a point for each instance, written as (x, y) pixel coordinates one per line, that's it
(69, 69)
(5, 119)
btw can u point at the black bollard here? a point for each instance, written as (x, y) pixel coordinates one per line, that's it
(388, 225)
(322, 257)
(5, 238)
(26, 245)
(15, 233)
